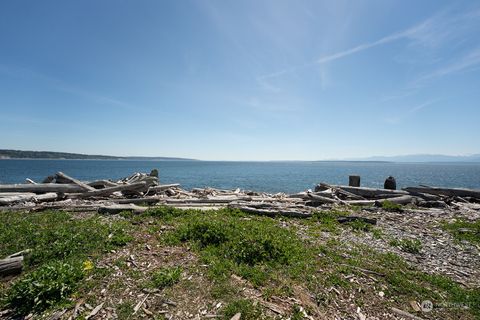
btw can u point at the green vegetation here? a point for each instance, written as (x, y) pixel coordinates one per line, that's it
(464, 230)
(62, 248)
(252, 248)
(44, 287)
(165, 277)
(390, 206)
(246, 307)
(271, 257)
(407, 245)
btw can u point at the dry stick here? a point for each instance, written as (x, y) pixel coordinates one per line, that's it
(163, 187)
(346, 193)
(117, 208)
(75, 181)
(110, 190)
(405, 314)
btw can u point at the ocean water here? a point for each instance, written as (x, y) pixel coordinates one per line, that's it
(259, 176)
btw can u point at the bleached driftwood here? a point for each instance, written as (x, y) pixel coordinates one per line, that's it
(41, 188)
(107, 191)
(11, 265)
(117, 208)
(75, 181)
(450, 192)
(365, 192)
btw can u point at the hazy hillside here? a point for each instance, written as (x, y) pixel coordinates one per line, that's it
(18, 154)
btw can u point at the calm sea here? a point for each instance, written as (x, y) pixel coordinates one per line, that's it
(259, 176)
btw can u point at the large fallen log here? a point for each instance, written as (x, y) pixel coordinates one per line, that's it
(164, 187)
(13, 264)
(274, 212)
(107, 191)
(365, 192)
(406, 199)
(9, 266)
(22, 197)
(75, 181)
(41, 188)
(341, 191)
(450, 192)
(117, 208)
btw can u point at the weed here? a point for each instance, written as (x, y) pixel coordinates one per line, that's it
(44, 287)
(358, 225)
(165, 277)
(390, 206)
(250, 248)
(125, 310)
(57, 235)
(463, 230)
(407, 245)
(246, 307)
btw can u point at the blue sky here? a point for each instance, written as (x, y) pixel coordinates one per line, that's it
(241, 80)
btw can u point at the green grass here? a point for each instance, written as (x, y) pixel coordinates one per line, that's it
(60, 245)
(165, 277)
(49, 284)
(464, 230)
(56, 235)
(407, 245)
(252, 248)
(248, 310)
(390, 206)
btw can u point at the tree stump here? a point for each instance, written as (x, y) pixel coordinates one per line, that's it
(390, 183)
(354, 181)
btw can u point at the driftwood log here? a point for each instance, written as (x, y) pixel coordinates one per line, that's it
(449, 192)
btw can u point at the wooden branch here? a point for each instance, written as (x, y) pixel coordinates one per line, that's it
(345, 193)
(107, 191)
(51, 196)
(317, 198)
(41, 188)
(8, 200)
(102, 183)
(369, 192)
(356, 218)
(11, 265)
(75, 181)
(117, 208)
(450, 192)
(163, 187)
(273, 212)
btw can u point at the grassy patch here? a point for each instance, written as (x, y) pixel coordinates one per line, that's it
(390, 206)
(63, 250)
(407, 245)
(165, 277)
(464, 230)
(50, 284)
(246, 307)
(53, 235)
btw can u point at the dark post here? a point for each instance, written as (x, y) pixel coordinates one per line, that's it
(390, 183)
(354, 181)
(154, 173)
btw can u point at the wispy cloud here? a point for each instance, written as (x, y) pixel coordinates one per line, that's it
(60, 85)
(436, 30)
(409, 112)
(468, 62)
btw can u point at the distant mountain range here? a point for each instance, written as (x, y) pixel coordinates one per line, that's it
(423, 158)
(18, 154)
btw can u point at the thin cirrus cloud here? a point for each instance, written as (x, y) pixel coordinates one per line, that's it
(432, 32)
(409, 112)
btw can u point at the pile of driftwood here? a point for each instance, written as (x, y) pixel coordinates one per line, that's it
(140, 191)
(132, 193)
